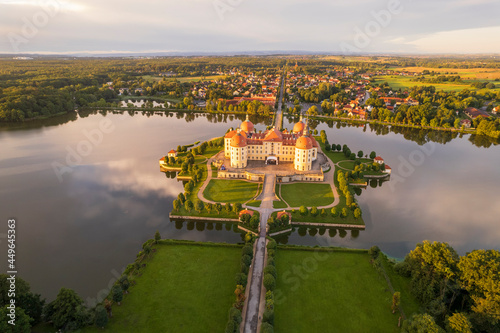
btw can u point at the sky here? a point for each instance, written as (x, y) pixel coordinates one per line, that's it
(213, 26)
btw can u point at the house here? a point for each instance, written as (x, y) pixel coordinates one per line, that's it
(280, 214)
(246, 212)
(172, 153)
(466, 123)
(378, 160)
(473, 113)
(388, 169)
(495, 109)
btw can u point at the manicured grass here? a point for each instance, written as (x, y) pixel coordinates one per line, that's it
(184, 288)
(328, 218)
(279, 204)
(334, 156)
(341, 292)
(227, 190)
(254, 203)
(307, 194)
(347, 165)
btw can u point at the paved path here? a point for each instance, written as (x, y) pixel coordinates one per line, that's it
(209, 178)
(252, 319)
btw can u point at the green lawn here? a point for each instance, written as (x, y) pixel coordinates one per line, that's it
(228, 190)
(404, 82)
(307, 194)
(279, 204)
(184, 288)
(342, 293)
(334, 156)
(254, 203)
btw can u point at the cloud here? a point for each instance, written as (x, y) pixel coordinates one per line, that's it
(196, 25)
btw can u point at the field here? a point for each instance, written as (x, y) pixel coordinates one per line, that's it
(184, 288)
(307, 194)
(151, 78)
(404, 82)
(334, 292)
(222, 190)
(465, 73)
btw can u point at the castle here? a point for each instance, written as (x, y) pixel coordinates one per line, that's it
(272, 146)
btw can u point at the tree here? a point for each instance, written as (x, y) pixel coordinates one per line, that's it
(177, 205)
(117, 293)
(396, 298)
(124, 283)
(218, 208)
(189, 187)
(480, 276)
(373, 155)
(344, 212)
(63, 309)
(303, 210)
(101, 316)
(458, 323)
(269, 282)
(312, 111)
(334, 211)
(188, 205)
(228, 207)
(184, 167)
(237, 207)
(181, 198)
(199, 206)
(357, 213)
(22, 321)
(314, 211)
(157, 236)
(420, 323)
(360, 154)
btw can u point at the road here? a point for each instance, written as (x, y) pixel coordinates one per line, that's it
(252, 318)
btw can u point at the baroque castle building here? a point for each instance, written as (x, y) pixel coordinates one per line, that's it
(272, 146)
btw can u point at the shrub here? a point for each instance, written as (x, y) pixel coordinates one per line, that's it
(269, 282)
(246, 259)
(374, 251)
(403, 268)
(272, 245)
(230, 327)
(266, 328)
(314, 211)
(271, 270)
(241, 279)
(235, 315)
(271, 253)
(247, 250)
(268, 316)
(270, 262)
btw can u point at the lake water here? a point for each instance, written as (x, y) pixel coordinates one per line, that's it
(79, 226)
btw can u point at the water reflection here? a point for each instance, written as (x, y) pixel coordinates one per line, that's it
(75, 232)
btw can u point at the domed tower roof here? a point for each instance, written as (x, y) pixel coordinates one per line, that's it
(247, 126)
(304, 142)
(238, 141)
(299, 127)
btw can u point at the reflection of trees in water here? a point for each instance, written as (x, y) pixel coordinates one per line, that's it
(282, 239)
(200, 226)
(228, 226)
(354, 233)
(190, 225)
(210, 226)
(218, 226)
(332, 232)
(342, 233)
(178, 224)
(170, 174)
(322, 231)
(313, 231)
(302, 231)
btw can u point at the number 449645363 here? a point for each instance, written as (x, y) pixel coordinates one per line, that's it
(11, 239)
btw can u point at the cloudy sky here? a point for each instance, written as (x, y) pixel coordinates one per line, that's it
(104, 26)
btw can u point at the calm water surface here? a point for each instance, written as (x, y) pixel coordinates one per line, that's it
(80, 232)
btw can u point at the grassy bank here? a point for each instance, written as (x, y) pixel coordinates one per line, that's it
(184, 288)
(344, 294)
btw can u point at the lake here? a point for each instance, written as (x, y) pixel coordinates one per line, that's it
(78, 226)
